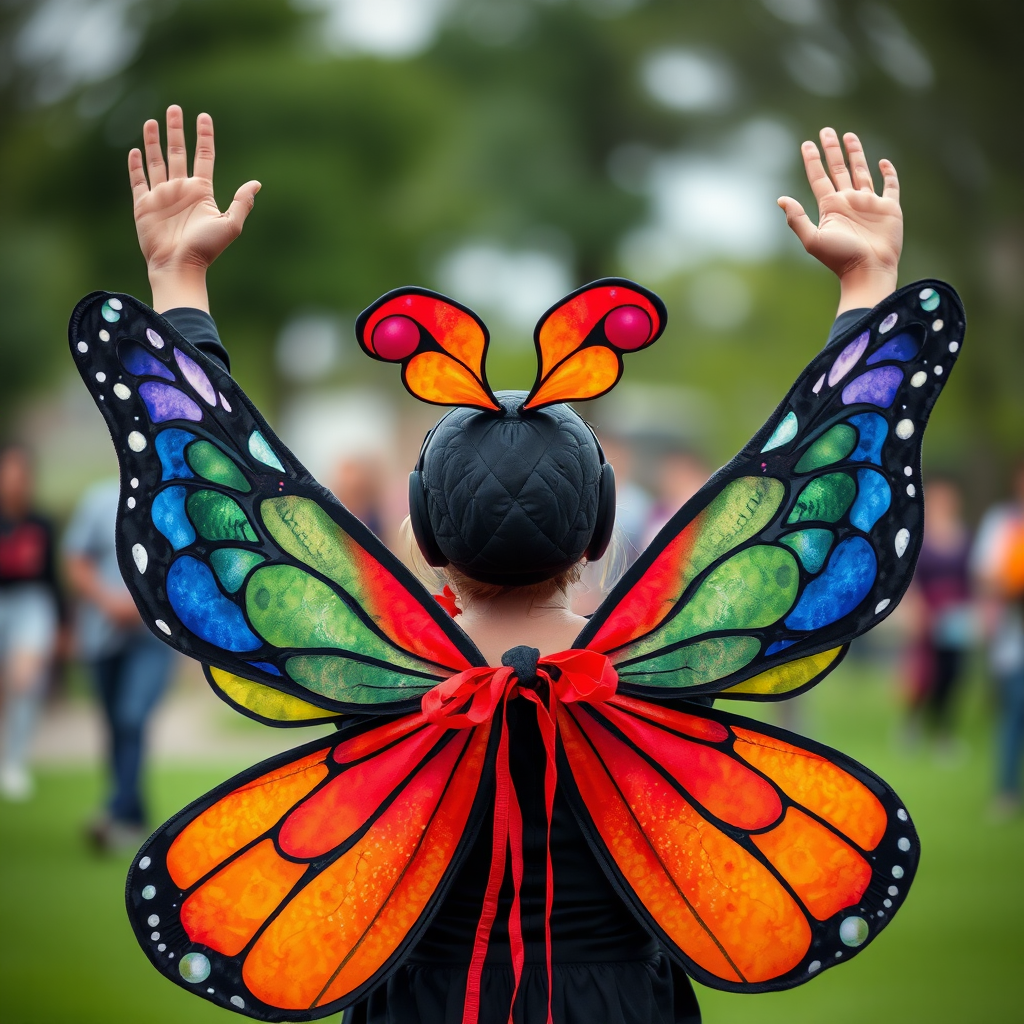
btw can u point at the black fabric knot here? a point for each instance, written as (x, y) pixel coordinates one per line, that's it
(523, 661)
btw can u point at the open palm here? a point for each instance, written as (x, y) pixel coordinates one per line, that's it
(176, 215)
(857, 229)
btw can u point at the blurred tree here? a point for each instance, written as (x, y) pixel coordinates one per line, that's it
(534, 124)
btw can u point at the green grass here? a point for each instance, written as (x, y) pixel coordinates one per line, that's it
(953, 954)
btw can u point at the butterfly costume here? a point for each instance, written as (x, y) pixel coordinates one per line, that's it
(438, 816)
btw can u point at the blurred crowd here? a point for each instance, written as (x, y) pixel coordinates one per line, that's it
(62, 600)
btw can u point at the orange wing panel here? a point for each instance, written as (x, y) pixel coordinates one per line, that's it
(719, 783)
(335, 811)
(723, 908)
(305, 948)
(584, 375)
(413, 891)
(580, 341)
(565, 328)
(412, 321)
(436, 377)
(226, 911)
(237, 819)
(826, 873)
(817, 784)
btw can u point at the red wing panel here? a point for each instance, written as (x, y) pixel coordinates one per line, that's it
(580, 341)
(299, 886)
(737, 867)
(733, 516)
(440, 344)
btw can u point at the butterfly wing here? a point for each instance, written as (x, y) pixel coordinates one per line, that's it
(234, 554)
(808, 538)
(581, 339)
(440, 344)
(296, 887)
(757, 857)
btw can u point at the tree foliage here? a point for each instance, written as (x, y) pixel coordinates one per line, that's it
(504, 128)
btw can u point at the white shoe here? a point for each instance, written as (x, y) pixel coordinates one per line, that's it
(15, 783)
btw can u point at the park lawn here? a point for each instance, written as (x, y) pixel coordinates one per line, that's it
(952, 955)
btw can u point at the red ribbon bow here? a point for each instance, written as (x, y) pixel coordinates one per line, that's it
(471, 698)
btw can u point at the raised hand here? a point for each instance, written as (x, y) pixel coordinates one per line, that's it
(181, 229)
(859, 235)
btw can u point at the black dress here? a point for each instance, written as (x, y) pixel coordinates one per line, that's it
(607, 968)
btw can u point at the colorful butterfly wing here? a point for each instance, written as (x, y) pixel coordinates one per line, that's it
(580, 340)
(808, 537)
(294, 888)
(233, 552)
(440, 344)
(757, 857)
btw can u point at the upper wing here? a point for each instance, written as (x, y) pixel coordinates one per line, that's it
(293, 889)
(581, 339)
(757, 857)
(234, 554)
(440, 343)
(808, 537)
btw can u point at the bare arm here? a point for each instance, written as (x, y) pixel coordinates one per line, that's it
(87, 584)
(181, 229)
(859, 235)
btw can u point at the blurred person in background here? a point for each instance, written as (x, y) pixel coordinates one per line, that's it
(358, 483)
(29, 615)
(130, 667)
(680, 475)
(998, 565)
(632, 510)
(632, 502)
(940, 598)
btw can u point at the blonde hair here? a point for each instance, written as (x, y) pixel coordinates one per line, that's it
(612, 566)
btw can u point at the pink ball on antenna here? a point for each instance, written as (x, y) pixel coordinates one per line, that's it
(396, 337)
(627, 327)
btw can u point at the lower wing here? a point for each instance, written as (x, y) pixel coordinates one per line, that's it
(758, 858)
(296, 887)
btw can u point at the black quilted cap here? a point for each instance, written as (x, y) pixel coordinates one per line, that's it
(512, 498)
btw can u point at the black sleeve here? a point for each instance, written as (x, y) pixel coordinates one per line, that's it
(842, 322)
(198, 327)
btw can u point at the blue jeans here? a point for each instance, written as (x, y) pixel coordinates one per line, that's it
(129, 684)
(1010, 732)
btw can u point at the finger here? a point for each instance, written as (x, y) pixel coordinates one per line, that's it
(242, 205)
(136, 174)
(797, 219)
(890, 182)
(834, 158)
(859, 169)
(202, 167)
(177, 156)
(817, 178)
(154, 155)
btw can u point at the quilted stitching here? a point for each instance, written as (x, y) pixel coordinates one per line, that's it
(512, 495)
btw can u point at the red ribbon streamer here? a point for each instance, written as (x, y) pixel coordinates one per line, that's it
(471, 698)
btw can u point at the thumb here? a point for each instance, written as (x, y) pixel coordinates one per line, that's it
(242, 205)
(798, 220)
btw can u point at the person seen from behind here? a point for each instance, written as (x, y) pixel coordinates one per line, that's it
(998, 564)
(129, 666)
(943, 621)
(29, 615)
